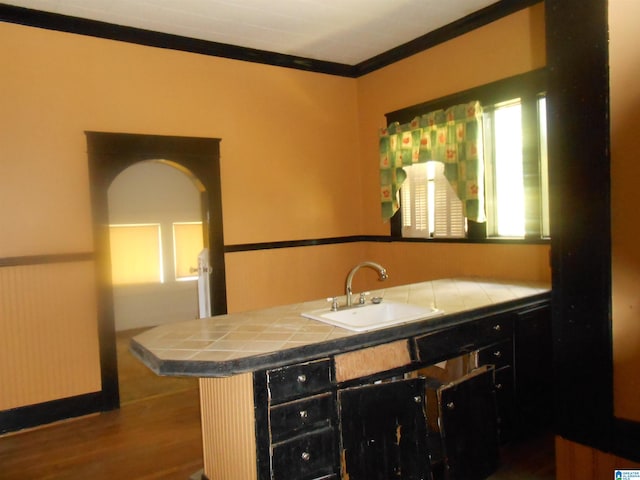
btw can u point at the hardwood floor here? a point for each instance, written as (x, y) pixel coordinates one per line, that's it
(533, 459)
(156, 436)
(137, 382)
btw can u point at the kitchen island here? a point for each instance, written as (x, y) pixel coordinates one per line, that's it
(274, 385)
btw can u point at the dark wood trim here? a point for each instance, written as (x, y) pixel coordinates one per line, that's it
(626, 439)
(108, 155)
(93, 28)
(69, 24)
(263, 441)
(579, 163)
(34, 415)
(247, 247)
(532, 83)
(46, 259)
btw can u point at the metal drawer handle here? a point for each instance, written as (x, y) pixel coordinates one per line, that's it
(306, 456)
(302, 378)
(451, 405)
(498, 386)
(497, 327)
(417, 399)
(303, 414)
(497, 354)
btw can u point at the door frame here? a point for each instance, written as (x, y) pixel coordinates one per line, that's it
(108, 155)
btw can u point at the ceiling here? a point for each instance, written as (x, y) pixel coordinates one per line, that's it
(341, 31)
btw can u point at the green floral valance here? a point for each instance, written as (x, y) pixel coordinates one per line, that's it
(452, 136)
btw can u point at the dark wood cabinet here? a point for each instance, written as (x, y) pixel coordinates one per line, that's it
(301, 431)
(534, 369)
(374, 424)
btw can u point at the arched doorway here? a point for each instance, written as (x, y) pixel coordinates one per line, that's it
(111, 153)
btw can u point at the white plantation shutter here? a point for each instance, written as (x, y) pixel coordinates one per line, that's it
(449, 220)
(415, 218)
(430, 207)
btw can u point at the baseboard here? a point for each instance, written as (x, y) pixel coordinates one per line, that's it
(626, 439)
(48, 412)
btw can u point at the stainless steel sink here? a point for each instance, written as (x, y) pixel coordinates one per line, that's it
(373, 316)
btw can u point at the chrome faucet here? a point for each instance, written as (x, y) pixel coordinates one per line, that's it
(381, 272)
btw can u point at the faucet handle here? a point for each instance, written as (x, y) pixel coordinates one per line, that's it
(334, 303)
(363, 296)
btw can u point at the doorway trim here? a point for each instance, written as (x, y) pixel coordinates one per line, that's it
(108, 155)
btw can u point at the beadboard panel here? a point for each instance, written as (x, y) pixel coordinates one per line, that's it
(228, 429)
(48, 333)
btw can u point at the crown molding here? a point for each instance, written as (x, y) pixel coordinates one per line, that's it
(94, 28)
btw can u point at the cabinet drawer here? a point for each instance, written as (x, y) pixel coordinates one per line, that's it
(499, 354)
(442, 345)
(290, 419)
(307, 456)
(495, 328)
(299, 380)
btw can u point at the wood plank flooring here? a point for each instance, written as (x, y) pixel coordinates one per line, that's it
(156, 436)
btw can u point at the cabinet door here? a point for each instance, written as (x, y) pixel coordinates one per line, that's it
(384, 431)
(468, 425)
(534, 370)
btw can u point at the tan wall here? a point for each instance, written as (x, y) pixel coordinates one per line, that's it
(265, 278)
(289, 140)
(299, 161)
(625, 173)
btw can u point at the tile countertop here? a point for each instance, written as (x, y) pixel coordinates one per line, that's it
(235, 343)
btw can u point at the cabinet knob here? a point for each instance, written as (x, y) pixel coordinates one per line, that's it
(302, 378)
(497, 354)
(303, 414)
(497, 327)
(306, 456)
(498, 386)
(417, 399)
(451, 406)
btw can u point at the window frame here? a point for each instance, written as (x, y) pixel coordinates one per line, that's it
(528, 87)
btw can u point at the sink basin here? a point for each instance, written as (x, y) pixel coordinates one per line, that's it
(373, 316)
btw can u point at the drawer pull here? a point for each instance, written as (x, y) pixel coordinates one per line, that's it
(306, 456)
(497, 327)
(303, 414)
(417, 399)
(302, 378)
(498, 386)
(497, 354)
(451, 406)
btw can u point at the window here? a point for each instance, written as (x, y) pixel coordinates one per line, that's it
(136, 254)
(187, 244)
(515, 171)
